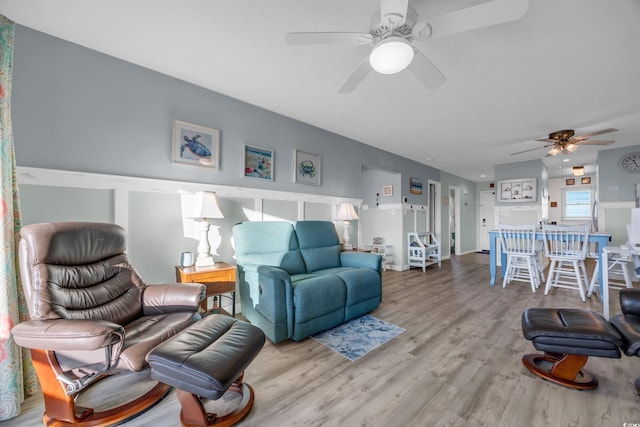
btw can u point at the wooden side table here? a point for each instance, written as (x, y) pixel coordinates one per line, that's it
(219, 279)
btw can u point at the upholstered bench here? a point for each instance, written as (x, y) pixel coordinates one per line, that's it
(568, 337)
(204, 361)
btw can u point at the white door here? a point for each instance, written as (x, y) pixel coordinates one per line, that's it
(487, 217)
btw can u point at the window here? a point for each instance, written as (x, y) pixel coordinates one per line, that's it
(577, 203)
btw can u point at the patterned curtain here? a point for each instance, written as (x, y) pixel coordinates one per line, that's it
(17, 377)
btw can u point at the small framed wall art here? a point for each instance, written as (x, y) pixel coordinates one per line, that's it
(307, 168)
(195, 145)
(258, 163)
(415, 186)
(517, 190)
(570, 181)
(585, 180)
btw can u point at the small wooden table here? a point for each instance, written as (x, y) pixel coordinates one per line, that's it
(219, 279)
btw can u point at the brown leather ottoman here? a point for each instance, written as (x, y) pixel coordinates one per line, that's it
(568, 337)
(204, 361)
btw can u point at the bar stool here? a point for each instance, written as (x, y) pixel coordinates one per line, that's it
(619, 264)
(519, 244)
(566, 246)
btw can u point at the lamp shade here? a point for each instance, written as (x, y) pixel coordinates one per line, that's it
(578, 170)
(391, 55)
(205, 205)
(345, 212)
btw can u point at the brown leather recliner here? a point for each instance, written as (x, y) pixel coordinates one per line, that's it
(92, 315)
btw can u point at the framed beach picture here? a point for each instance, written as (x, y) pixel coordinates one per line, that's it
(195, 145)
(307, 168)
(258, 163)
(415, 186)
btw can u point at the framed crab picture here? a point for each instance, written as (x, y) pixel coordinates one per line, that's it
(307, 168)
(195, 145)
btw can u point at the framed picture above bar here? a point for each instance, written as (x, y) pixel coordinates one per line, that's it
(517, 190)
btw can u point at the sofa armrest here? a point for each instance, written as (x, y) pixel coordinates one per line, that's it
(160, 299)
(271, 292)
(361, 259)
(67, 334)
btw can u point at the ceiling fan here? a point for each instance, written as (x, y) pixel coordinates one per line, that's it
(393, 30)
(566, 141)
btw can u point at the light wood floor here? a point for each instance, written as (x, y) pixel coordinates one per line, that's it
(457, 364)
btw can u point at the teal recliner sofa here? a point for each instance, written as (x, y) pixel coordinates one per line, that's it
(294, 281)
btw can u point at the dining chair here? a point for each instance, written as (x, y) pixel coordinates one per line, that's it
(566, 247)
(619, 268)
(518, 242)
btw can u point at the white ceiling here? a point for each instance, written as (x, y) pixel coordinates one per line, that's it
(566, 64)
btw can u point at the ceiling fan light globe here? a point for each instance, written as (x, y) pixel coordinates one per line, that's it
(391, 55)
(554, 151)
(570, 148)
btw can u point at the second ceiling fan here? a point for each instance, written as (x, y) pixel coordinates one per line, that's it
(394, 29)
(566, 141)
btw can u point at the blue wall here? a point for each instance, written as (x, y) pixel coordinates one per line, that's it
(80, 110)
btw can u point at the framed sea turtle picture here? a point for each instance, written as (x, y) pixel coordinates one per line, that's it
(195, 145)
(307, 168)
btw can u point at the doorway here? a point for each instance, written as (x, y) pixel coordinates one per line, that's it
(454, 220)
(487, 219)
(434, 220)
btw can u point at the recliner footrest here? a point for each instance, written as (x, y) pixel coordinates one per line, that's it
(568, 337)
(205, 360)
(573, 331)
(207, 357)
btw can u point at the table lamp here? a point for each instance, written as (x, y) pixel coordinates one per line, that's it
(205, 207)
(346, 213)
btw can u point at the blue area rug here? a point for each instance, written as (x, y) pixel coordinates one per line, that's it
(358, 336)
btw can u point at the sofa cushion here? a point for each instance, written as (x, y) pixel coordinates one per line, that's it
(319, 244)
(314, 296)
(271, 243)
(363, 291)
(319, 303)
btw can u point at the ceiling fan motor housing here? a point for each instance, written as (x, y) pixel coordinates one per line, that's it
(562, 135)
(380, 29)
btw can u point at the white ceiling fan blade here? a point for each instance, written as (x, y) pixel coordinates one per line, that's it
(356, 77)
(393, 12)
(483, 15)
(425, 71)
(328, 38)
(593, 142)
(599, 132)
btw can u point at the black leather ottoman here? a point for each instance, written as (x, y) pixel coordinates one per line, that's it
(568, 337)
(204, 361)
